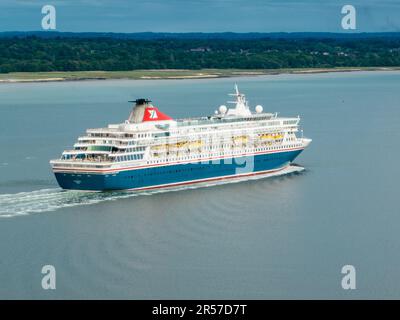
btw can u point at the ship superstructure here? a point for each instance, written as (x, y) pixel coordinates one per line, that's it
(150, 150)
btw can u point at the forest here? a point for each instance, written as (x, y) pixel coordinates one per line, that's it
(35, 54)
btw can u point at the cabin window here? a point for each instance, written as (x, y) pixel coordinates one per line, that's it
(99, 148)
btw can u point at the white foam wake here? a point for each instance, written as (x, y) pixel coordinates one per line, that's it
(45, 200)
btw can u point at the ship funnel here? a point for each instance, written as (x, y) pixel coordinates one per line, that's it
(137, 113)
(144, 111)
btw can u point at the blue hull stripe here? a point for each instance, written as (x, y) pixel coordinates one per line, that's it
(206, 180)
(173, 163)
(177, 174)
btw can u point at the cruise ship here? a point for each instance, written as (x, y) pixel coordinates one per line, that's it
(151, 150)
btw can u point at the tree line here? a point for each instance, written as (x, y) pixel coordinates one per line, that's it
(33, 54)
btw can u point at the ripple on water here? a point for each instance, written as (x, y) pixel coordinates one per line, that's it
(134, 247)
(45, 200)
(215, 210)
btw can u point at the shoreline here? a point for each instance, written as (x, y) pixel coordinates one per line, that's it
(169, 74)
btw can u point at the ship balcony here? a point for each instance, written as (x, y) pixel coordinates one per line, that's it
(86, 143)
(62, 164)
(94, 139)
(85, 159)
(86, 156)
(95, 148)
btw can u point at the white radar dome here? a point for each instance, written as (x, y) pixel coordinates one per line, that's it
(223, 109)
(259, 109)
(216, 111)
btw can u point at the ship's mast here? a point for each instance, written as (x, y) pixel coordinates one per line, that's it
(241, 108)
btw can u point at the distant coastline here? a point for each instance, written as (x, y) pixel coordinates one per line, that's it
(165, 74)
(36, 58)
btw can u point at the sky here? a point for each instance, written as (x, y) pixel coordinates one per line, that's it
(201, 15)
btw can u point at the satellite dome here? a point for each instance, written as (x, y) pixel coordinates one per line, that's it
(223, 109)
(259, 109)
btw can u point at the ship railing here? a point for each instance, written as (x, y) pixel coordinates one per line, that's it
(82, 142)
(88, 160)
(86, 165)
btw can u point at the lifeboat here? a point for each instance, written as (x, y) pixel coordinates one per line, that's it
(278, 136)
(240, 139)
(271, 136)
(266, 136)
(177, 145)
(195, 144)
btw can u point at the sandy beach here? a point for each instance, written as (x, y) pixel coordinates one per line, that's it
(56, 76)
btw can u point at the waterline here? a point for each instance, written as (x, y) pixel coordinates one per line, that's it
(47, 200)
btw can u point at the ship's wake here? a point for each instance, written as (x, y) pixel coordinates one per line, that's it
(46, 200)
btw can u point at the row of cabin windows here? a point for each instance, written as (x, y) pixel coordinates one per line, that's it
(168, 133)
(289, 122)
(129, 157)
(222, 146)
(175, 171)
(110, 135)
(84, 156)
(222, 154)
(135, 149)
(161, 134)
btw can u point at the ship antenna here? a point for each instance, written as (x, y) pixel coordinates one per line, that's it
(237, 94)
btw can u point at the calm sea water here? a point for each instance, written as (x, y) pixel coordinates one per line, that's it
(281, 237)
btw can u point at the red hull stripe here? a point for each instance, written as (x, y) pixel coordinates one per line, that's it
(168, 163)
